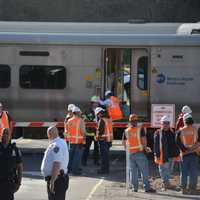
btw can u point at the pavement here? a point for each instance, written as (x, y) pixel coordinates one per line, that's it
(90, 185)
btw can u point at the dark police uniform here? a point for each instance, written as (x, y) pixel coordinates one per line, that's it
(10, 156)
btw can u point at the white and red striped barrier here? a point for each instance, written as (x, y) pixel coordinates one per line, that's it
(61, 124)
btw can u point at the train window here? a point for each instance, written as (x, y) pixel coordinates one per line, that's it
(5, 72)
(42, 77)
(34, 53)
(142, 70)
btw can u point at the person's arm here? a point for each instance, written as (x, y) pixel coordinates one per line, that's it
(179, 142)
(106, 102)
(19, 170)
(124, 139)
(101, 127)
(54, 174)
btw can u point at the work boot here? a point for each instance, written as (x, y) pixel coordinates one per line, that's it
(168, 186)
(193, 192)
(150, 190)
(185, 191)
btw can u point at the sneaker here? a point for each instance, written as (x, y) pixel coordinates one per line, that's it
(150, 190)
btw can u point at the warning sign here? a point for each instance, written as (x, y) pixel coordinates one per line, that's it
(159, 110)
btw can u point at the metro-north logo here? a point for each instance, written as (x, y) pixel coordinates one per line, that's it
(160, 78)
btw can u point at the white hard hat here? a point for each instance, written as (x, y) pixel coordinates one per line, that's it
(187, 116)
(165, 118)
(186, 109)
(70, 107)
(76, 109)
(98, 110)
(95, 99)
(108, 92)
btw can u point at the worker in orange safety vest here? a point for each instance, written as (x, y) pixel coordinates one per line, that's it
(69, 114)
(104, 135)
(134, 141)
(75, 128)
(6, 121)
(179, 123)
(165, 151)
(112, 106)
(188, 140)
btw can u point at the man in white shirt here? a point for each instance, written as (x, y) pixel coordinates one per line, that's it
(54, 165)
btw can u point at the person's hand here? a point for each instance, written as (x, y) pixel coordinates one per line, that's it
(17, 186)
(51, 186)
(147, 149)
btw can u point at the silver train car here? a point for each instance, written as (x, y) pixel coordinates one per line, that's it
(45, 65)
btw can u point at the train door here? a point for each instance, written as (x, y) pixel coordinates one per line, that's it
(139, 83)
(117, 68)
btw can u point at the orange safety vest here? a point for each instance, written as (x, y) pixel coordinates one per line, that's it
(73, 128)
(160, 160)
(66, 134)
(188, 137)
(4, 122)
(108, 130)
(114, 110)
(133, 141)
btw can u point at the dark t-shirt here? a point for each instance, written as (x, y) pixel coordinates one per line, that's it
(10, 156)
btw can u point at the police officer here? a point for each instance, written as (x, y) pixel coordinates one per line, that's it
(54, 166)
(10, 167)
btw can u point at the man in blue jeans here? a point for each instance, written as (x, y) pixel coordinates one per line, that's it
(188, 140)
(134, 140)
(165, 150)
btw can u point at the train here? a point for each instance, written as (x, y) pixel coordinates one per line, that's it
(44, 66)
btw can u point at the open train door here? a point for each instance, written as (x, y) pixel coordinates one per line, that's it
(117, 67)
(139, 83)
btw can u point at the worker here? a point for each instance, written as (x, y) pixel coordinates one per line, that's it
(134, 141)
(112, 106)
(165, 150)
(10, 167)
(188, 140)
(76, 129)
(179, 124)
(104, 135)
(90, 133)
(6, 121)
(69, 114)
(54, 166)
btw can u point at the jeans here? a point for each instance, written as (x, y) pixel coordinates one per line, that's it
(189, 168)
(139, 162)
(104, 149)
(86, 150)
(165, 171)
(74, 158)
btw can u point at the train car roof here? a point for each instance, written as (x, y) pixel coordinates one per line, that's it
(144, 34)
